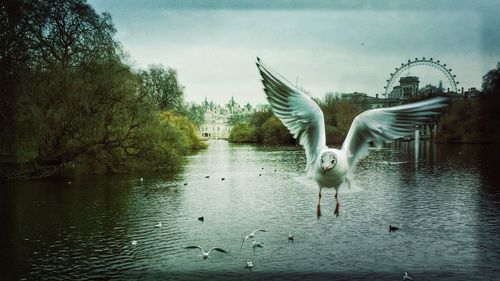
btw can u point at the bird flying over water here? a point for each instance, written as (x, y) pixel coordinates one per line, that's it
(332, 167)
(256, 244)
(251, 235)
(205, 254)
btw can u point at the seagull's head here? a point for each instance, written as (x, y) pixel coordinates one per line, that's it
(328, 161)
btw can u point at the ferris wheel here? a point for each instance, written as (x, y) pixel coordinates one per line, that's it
(430, 62)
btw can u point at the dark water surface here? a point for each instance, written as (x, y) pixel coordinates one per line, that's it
(444, 198)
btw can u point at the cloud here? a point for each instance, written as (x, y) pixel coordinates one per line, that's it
(343, 48)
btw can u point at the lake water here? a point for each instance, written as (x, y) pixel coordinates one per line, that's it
(444, 198)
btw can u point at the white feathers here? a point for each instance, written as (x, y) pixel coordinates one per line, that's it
(387, 124)
(298, 112)
(205, 254)
(251, 235)
(304, 119)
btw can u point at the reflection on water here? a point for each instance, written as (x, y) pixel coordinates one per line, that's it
(444, 198)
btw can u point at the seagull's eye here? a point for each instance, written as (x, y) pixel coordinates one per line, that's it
(333, 161)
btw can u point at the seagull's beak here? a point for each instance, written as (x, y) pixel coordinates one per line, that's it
(326, 169)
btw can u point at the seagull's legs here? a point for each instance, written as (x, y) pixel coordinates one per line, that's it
(337, 206)
(348, 179)
(318, 208)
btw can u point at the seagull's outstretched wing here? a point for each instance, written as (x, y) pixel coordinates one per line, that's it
(386, 124)
(263, 230)
(193, 247)
(244, 239)
(298, 112)
(218, 249)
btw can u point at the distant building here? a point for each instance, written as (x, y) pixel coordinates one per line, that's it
(354, 96)
(216, 124)
(472, 93)
(408, 87)
(396, 92)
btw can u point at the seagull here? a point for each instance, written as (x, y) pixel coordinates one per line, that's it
(330, 167)
(392, 228)
(256, 244)
(251, 235)
(205, 254)
(407, 277)
(248, 264)
(134, 243)
(290, 237)
(158, 225)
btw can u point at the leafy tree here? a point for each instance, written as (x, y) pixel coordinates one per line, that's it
(196, 113)
(491, 81)
(243, 133)
(163, 88)
(75, 98)
(274, 132)
(237, 117)
(477, 120)
(338, 114)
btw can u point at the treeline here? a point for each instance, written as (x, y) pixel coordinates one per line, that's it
(474, 120)
(264, 127)
(468, 120)
(68, 96)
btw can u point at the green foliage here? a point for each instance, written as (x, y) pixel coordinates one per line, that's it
(459, 124)
(274, 132)
(257, 120)
(474, 121)
(73, 99)
(195, 113)
(186, 132)
(491, 82)
(338, 114)
(236, 118)
(264, 127)
(162, 88)
(243, 133)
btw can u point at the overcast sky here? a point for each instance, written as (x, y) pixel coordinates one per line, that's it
(327, 46)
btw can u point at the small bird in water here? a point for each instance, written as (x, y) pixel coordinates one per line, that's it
(332, 167)
(134, 243)
(158, 225)
(205, 254)
(207, 177)
(141, 179)
(185, 183)
(290, 237)
(392, 228)
(256, 244)
(248, 264)
(251, 235)
(201, 218)
(222, 179)
(406, 276)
